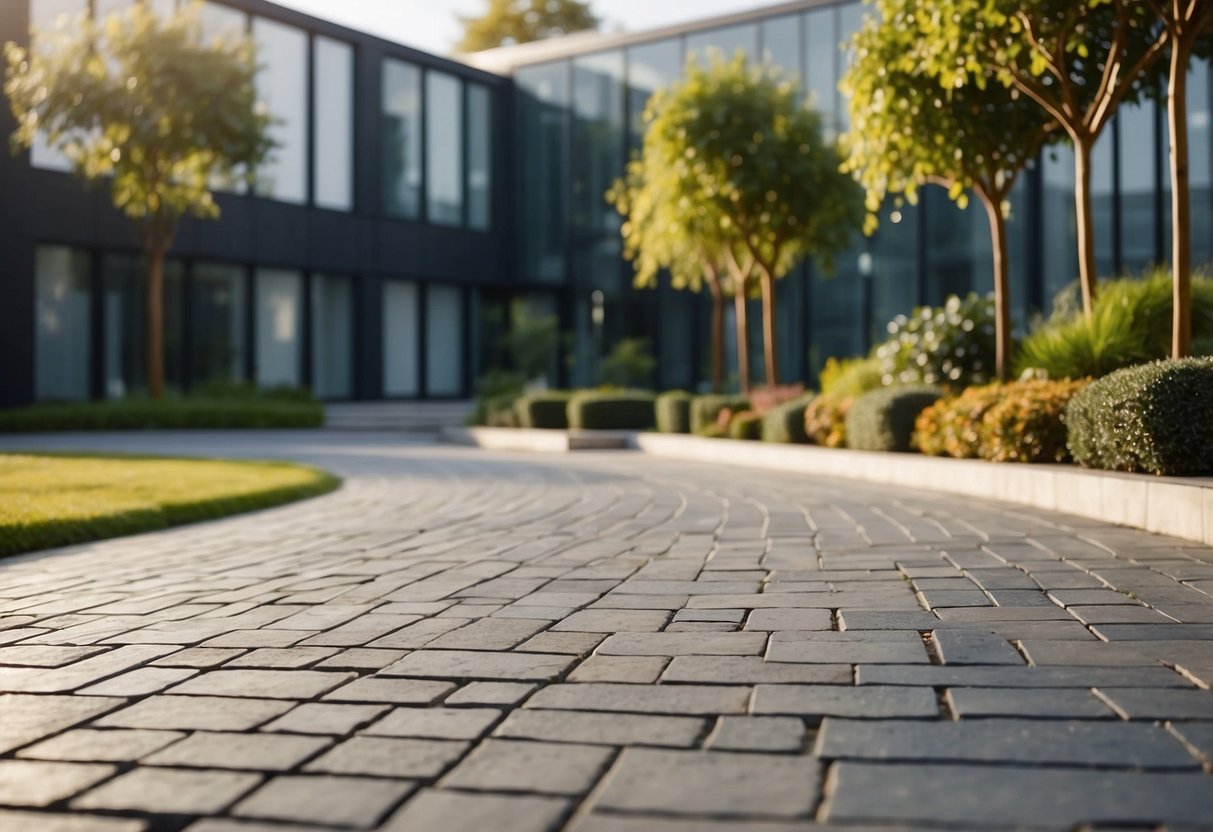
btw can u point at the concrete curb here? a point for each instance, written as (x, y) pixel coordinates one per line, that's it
(1179, 507)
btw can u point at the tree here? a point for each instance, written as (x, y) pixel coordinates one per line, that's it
(1184, 22)
(1077, 59)
(522, 21)
(144, 103)
(752, 154)
(908, 130)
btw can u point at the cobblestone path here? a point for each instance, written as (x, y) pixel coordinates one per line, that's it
(464, 641)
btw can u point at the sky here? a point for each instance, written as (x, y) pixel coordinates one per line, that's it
(432, 26)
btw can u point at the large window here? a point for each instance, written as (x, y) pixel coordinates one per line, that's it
(599, 154)
(223, 23)
(480, 157)
(400, 342)
(1200, 155)
(401, 139)
(125, 279)
(279, 326)
(282, 87)
(1138, 188)
(333, 104)
(62, 324)
(542, 145)
(821, 65)
(219, 322)
(781, 44)
(444, 148)
(725, 42)
(444, 341)
(332, 336)
(651, 66)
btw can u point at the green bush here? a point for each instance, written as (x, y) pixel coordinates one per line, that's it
(673, 410)
(746, 424)
(850, 377)
(950, 344)
(630, 364)
(244, 390)
(706, 409)
(952, 426)
(785, 423)
(1028, 424)
(1156, 418)
(496, 393)
(543, 409)
(825, 420)
(1130, 324)
(165, 414)
(883, 420)
(611, 410)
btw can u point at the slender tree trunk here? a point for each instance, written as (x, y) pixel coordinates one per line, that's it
(156, 255)
(1002, 286)
(1181, 205)
(1085, 222)
(717, 330)
(770, 347)
(743, 336)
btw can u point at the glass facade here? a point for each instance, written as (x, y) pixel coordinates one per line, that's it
(282, 87)
(332, 336)
(401, 344)
(278, 327)
(444, 148)
(62, 324)
(333, 106)
(542, 96)
(401, 170)
(480, 142)
(444, 340)
(726, 42)
(219, 322)
(124, 277)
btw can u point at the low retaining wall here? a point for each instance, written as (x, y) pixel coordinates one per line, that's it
(1179, 507)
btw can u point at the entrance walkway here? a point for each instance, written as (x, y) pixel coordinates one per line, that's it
(460, 640)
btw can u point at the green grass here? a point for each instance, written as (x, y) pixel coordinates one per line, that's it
(49, 500)
(169, 413)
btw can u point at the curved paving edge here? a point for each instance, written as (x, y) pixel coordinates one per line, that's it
(604, 642)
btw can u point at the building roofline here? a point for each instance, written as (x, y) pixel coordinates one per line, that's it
(505, 60)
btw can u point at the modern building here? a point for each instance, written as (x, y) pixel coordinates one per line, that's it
(416, 203)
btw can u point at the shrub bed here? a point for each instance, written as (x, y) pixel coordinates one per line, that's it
(883, 420)
(1028, 424)
(611, 410)
(825, 420)
(746, 424)
(166, 414)
(949, 344)
(673, 412)
(1155, 418)
(705, 410)
(952, 426)
(546, 409)
(786, 422)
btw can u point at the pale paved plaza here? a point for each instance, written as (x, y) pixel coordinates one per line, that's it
(462, 640)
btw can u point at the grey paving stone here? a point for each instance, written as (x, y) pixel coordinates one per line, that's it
(139, 682)
(361, 658)
(169, 791)
(656, 823)
(249, 752)
(1085, 597)
(684, 644)
(1047, 703)
(393, 691)
(537, 767)
(466, 812)
(25, 821)
(1090, 654)
(602, 728)
(196, 713)
(389, 757)
(1021, 677)
(660, 699)
(500, 694)
(747, 670)
(817, 701)
(614, 621)
(325, 718)
(471, 664)
(869, 619)
(1153, 632)
(994, 796)
(200, 657)
(853, 652)
(712, 782)
(91, 745)
(572, 644)
(489, 634)
(969, 647)
(279, 658)
(1199, 735)
(633, 669)
(78, 674)
(436, 723)
(44, 655)
(341, 801)
(1150, 703)
(1120, 614)
(1004, 741)
(26, 718)
(801, 619)
(37, 783)
(717, 616)
(270, 684)
(757, 733)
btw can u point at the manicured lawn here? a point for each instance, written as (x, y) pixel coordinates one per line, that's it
(56, 500)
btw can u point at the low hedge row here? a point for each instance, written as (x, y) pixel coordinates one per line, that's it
(165, 414)
(705, 411)
(545, 409)
(883, 420)
(673, 412)
(785, 422)
(611, 410)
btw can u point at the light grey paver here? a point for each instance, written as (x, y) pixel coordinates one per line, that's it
(656, 699)
(389, 757)
(249, 752)
(271, 684)
(114, 745)
(325, 718)
(466, 812)
(836, 700)
(602, 728)
(540, 767)
(471, 664)
(342, 801)
(757, 733)
(684, 644)
(435, 723)
(169, 791)
(37, 783)
(196, 713)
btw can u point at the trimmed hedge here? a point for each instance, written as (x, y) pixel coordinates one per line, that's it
(544, 409)
(706, 409)
(673, 411)
(611, 410)
(165, 414)
(1027, 425)
(785, 423)
(1156, 418)
(883, 420)
(745, 425)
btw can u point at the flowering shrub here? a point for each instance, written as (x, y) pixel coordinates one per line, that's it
(951, 344)
(825, 420)
(952, 426)
(1028, 425)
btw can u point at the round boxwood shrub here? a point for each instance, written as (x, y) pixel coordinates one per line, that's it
(745, 425)
(883, 420)
(785, 422)
(950, 344)
(1156, 418)
(1028, 425)
(543, 409)
(706, 409)
(611, 410)
(952, 426)
(674, 412)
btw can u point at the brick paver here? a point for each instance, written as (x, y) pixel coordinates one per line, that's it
(462, 640)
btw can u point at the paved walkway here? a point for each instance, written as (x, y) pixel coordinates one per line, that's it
(603, 643)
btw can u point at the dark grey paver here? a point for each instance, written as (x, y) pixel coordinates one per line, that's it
(1048, 703)
(684, 644)
(884, 701)
(472, 664)
(753, 669)
(658, 699)
(1021, 677)
(1147, 703)
(603, 728)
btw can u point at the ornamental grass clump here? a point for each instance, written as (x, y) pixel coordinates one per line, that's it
(883, 420)
(1155, 418)
(951, 344)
